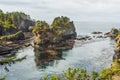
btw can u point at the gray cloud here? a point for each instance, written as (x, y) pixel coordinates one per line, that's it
(83, 10)
(13, 3)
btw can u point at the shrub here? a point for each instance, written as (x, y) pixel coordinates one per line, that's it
(11, 37)
(40, 26)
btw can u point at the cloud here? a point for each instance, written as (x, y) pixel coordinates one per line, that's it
(83, 10)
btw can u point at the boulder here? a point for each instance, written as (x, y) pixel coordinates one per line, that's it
(112, 33)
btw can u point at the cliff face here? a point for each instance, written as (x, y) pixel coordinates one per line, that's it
(25, 24)
(116, 58)
(117, 48)
(55, 34)
(15, 20)
(113, 33)
(1, 30)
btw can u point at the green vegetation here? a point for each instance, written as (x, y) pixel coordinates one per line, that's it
(11, 60)
(58, 24)
(109, 72)
(3, 78)
(12, 19)
(10, 37)
(53, 77)
(74, 74)
(61, 22)
(81, 74)
(40, 26)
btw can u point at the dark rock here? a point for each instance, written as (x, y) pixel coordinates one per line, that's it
(96, 33)
(107, 33)
(10, 31)
(54, 35)
(117, 48)
(83, 37)
(89, 38)
(112, 33)
(5, 50)
(1, 30)
(116, 56)
(25, 24)
(20, 36)
(99, 36)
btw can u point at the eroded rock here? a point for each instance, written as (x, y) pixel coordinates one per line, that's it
(117, 48)
(112, 33)
(60, 31)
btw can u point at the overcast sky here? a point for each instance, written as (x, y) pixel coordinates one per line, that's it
(81, 10)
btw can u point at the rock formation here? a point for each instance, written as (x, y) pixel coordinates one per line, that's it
(117, 48)
(1, 30)
(25, 24)
(113, 33)
(60, 31)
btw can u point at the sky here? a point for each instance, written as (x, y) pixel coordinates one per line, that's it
(76, 10)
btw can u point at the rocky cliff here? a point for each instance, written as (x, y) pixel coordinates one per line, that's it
(61, 30)
(117, 48)
(113, 33)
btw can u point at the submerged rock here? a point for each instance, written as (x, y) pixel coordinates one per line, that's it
(83, 37)
(96, 32)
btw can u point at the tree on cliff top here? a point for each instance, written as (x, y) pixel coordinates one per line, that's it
(12, 19)
(60, 22)
(40, 26)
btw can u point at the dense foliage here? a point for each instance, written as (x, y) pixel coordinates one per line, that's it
(74, 74)
(12, 19)
(15, 36)
(40, 26)
(61, 22)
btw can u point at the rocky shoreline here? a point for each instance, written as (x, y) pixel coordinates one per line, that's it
(9, 47)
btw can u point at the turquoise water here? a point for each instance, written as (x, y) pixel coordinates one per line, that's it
(92, 56)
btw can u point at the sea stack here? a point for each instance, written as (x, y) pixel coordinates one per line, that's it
(60, 35)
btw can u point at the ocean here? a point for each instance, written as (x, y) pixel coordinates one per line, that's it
(91, 56)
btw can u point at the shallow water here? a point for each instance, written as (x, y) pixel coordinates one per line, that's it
(92, 56)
